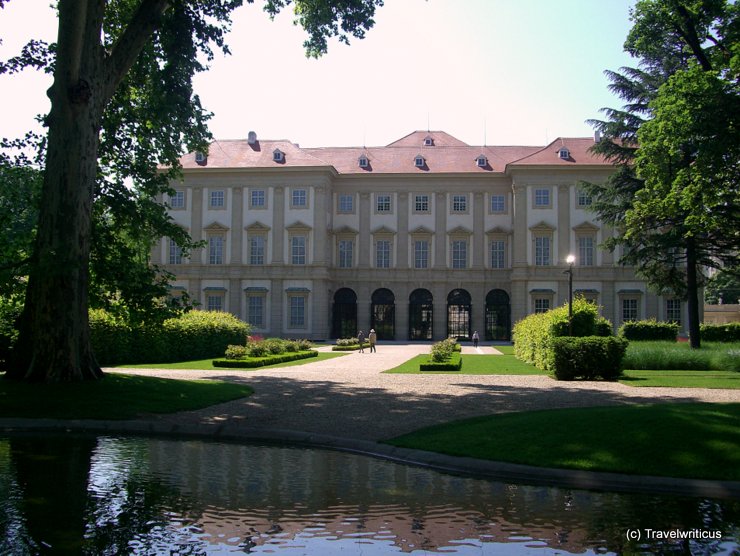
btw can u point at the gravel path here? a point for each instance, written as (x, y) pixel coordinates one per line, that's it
(349, 397)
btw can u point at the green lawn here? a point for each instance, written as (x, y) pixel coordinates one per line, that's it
(474, 365)
(674, 440)
(682, 379)
(505, 349)
(207, 364)
(116, 396)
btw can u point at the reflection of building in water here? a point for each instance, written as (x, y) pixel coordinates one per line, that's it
(274, 495)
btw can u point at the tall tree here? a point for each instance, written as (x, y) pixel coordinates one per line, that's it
(114, 64)
(673, 199)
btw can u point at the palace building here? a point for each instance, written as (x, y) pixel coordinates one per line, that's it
(424, 238)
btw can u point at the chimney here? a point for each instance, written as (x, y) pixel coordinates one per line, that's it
(252, 138)
(597, 136)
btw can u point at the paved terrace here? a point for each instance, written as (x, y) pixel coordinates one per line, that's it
(349, 397)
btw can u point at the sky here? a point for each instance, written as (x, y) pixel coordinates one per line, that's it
(494, 72)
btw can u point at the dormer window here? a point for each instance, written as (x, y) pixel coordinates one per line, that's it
(278, 156)
(200, 158)
(428, 141)
(419, 161)
(564, 153)
(363, 161)
(481, 161)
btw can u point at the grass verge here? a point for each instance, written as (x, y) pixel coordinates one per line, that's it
(682, 379)
(695, 440)
(116, 396)
(207, 364)
(474, 365)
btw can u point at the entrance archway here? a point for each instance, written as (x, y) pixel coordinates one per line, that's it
(498, 316)
(458, 314)
(383, 314)
(344, 314)
(421, 313)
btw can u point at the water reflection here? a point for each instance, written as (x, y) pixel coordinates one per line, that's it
(145, 496)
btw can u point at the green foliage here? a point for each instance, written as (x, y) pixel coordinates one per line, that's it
(263, 361)
(649, 330)
(442, 351)
(452, 363)
(723, 287)
(729, 332)
(678, 356)
(587, 357)
(194, 335)
(534, 334)
(10, 311)
(345, 342)
(235, 352)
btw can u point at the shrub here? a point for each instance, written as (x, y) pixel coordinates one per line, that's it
(236, 352)
(729, 332)
(252, 362)
(10, 310)
(453, 363)
(587, 357)
(193, 335)
(303, 344)
(344, 342)
(442, 351)
(534, 334)
(649, 330)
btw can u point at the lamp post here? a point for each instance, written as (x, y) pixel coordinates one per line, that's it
(570, 259)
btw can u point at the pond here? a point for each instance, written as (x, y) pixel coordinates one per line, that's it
(74, 494)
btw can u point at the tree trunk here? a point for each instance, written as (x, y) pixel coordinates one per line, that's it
(692, 287)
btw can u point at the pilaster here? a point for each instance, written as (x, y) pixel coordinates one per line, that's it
(278, 232)
(564, 247)
(440, 234)
(237, 226)
(196, 224)
(402, 237)
(320, 227)
(519, 239)
(364, 241)
(478, 247)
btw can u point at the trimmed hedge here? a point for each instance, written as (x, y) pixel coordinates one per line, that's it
(533, 335)
(454, 363)
(587, 358)
(252, 362)
(351, 347)
(729, 332)
(649, 331)
(191, 336)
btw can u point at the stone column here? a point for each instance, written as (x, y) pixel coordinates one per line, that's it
(402, 237)
(440, 311)
(278, 230)
(277, 299)
(479, 243)
(237, 225)
(564, 247)
(363, 241)
(440, 233)
(401, 291)
(607, 257)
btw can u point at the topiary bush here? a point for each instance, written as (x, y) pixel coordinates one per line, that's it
(443, 350)
(534, 334)
(729, 332)
(648, 331)
(588, 357)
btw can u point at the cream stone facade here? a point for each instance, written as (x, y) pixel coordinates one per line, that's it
(424, 238)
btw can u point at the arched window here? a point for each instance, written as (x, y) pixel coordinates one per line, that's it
(458, 314)
(421, 313)
(498, 316)
(383, 314)
(344, 314)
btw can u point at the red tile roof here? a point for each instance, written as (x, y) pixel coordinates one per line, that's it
(448, 155)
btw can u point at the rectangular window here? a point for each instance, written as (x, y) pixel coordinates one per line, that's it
(256, 311)
(629, 310)
(583, 199)
(459, 253)
(542, 251)
(541, 305)
(345, 253)
(298, 250)
(215, 302)
(586, 251)
(383, 203)
(175, 253)
(383, 253)
(421, 254)
(297, 314)
(177, 200)
(258, 199)
(542, 198)
(299, 198)
(421, 203)
(217, 199)
(346, 203)
(498, 203)
(459, 203)
(498, 253)
(257, 250)
(216, 250)
(673, 311)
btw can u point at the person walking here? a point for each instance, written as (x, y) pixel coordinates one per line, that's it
(475, 339)
(361, 338)
(372, 338)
